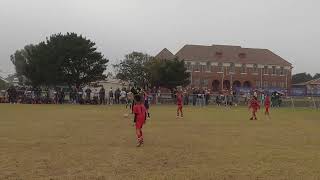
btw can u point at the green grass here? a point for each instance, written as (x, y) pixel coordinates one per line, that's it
(97, 142)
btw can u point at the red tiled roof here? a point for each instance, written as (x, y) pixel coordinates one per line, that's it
(235, 54)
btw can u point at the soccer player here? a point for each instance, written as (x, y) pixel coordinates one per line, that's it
(267, 104)
(179, 103)
(130, 100)
(139, 117)
(254, 105)
(146, 102)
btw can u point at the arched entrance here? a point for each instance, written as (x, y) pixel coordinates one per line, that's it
(215, 85)
(226, 84)
(247, 84)
(236, 84)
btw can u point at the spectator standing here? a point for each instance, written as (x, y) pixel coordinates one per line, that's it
(194, 97)
(102, 95)
(88, 95)
(111, 96)
(158, 96)
(186, 97)
(207, 96)
(117, 96)
(123, 96)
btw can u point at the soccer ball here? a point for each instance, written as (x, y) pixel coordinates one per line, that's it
(126, 115)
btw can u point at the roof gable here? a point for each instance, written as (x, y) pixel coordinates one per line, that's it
(165, 54)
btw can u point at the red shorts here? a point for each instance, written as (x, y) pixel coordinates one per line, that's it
(267, 108)
(139, 124)
(180, 107)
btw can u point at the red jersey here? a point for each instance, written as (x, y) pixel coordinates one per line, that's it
(140, 113)
(179, 99)
(267, 102)
(254, 104)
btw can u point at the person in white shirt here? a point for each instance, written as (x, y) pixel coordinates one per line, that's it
(123, 96)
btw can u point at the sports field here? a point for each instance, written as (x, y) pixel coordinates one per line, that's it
(97, 142)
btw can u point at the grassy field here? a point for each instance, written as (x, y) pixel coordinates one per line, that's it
(97, 142)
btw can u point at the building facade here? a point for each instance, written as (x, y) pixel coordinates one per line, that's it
(220, 67)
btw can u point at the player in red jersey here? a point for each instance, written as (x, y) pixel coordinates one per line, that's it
(179, 103)
(254, 105)
(267, 104)
(139, 111)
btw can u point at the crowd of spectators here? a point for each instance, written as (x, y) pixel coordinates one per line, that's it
(101, 96)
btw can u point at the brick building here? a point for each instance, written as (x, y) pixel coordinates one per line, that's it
(220, 67)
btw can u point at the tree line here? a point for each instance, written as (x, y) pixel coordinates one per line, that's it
(73, 60)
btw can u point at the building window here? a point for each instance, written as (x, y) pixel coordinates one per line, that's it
(219, 54)
(242, 55)
(232, 68)
(265, 84)
(282, 84)
(243, 68)
(206, 82)
(265, 69)
(257, 83)
(197, 67)
(255, 68)
(197, 82)
(189, 66)
(203, 68)
(208, 67)
(273, 70)
(281, 71)
(220, 67)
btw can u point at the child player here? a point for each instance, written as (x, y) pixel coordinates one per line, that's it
(139, 117)
(179, 103)
(254, 105)
(267, 104)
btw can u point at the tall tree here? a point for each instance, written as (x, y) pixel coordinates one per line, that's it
(168, 74)
(19, 59)
(77, 58)
(133, 69)
(3, 84)
(301, 77)
(62, 59)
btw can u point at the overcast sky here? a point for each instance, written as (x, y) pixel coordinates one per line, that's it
(290, 28)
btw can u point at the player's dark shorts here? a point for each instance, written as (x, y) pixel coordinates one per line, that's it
(146, 104)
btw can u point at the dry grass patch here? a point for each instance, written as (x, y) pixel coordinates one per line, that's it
(97, 142)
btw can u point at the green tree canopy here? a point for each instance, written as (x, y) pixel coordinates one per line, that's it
(168, 73)
(3, 85)
(133, 69)
(62, 59)
(144, 70)
(301, 77)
